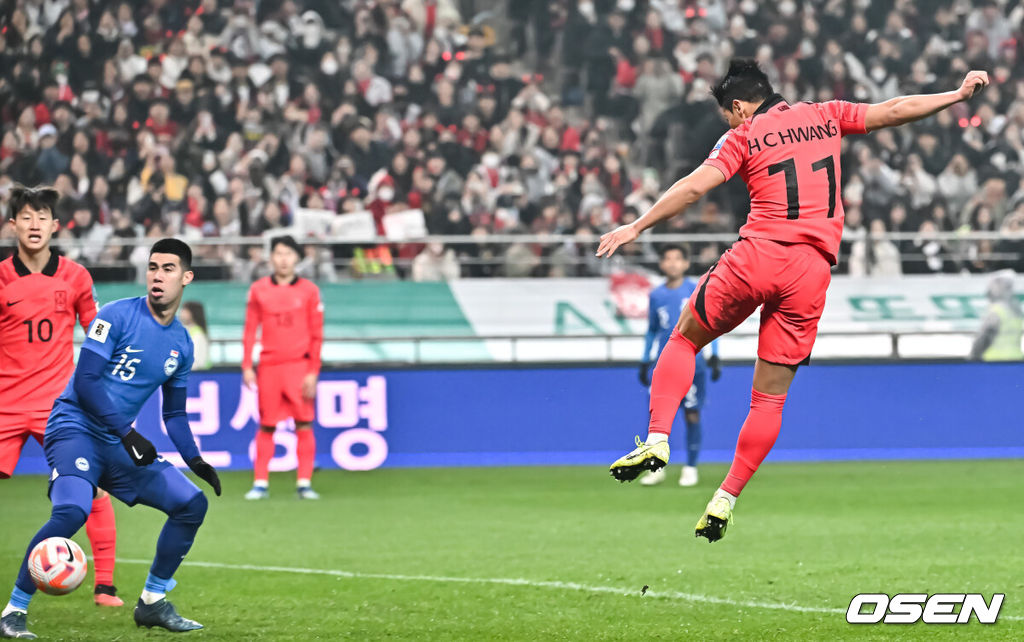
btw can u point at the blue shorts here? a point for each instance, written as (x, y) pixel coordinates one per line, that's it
(79, 453)
(694, 399)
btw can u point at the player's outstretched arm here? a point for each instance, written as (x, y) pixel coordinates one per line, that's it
(684, 193)
(906, 109)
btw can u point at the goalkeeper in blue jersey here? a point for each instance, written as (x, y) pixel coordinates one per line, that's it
(133, 347)
(666, 303)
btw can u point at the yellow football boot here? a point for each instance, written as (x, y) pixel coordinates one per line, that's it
(715, 519)
(645, 456)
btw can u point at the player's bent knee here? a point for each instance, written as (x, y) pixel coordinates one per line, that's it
(773, 378)
(193, 511)
(68, 490)
(690, 328)
(70, 517)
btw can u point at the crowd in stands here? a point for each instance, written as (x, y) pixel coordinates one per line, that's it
(224, 118)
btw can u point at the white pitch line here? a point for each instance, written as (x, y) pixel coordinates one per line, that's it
(509, 581)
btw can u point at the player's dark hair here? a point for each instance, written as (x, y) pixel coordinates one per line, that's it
(39, 198)
(176, 247)
(744, 81)
(198, 312)
(672, 247)
(285, 240)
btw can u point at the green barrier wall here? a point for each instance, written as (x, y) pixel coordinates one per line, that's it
(396, 309)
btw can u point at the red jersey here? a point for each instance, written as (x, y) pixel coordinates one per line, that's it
(788, 155)
(37, 324)
(292, 320)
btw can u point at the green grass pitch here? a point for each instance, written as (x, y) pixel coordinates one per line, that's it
(563, 553)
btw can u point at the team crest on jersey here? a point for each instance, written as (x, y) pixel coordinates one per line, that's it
(60, 301)
(718, 146)
(171, 364)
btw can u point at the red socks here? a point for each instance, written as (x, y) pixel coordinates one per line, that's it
(756, 438)
(672, 379)
(102, 532)
(264, 453)
(306, 450)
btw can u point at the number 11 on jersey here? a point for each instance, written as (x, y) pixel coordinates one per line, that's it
(788, 168)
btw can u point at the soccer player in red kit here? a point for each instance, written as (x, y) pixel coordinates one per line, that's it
(41, 293)
(289, 311)
(788, 155)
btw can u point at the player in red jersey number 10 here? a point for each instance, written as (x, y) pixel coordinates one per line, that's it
(788, 155)
(41, 294)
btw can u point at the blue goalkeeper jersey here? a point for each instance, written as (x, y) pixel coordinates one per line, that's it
(141, 356)
(664, 308)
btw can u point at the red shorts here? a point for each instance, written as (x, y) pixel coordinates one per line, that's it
(14, 432)
(280, 393)
(788, 279)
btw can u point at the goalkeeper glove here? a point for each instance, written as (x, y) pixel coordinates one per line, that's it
(206, 472)
(645, 374)
(716, 367)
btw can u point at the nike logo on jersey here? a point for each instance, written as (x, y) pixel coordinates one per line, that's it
(129, 349)
(10, 303)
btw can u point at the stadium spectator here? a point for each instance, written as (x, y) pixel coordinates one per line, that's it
(927, 254)
(193, 316)
(958, 182)
(435, 263)
(874, 254)
(128, 106)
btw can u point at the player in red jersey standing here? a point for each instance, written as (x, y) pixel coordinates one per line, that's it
(289, 311)
(41, 293)
(788, 155)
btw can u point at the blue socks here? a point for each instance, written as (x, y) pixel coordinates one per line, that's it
(693, 439)
(176, 539)
(20, 599)
(156, 584)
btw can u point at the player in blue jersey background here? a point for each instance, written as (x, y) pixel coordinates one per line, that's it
(666, 303)
(133, 347)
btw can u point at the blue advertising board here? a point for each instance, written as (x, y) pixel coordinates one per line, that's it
(588, 415)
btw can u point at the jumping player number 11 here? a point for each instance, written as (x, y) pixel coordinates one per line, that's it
(788, 155)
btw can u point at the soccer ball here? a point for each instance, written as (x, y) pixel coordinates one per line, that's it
(57, 565)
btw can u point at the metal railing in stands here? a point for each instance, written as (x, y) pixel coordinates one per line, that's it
(506, 348)
(962, 249)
